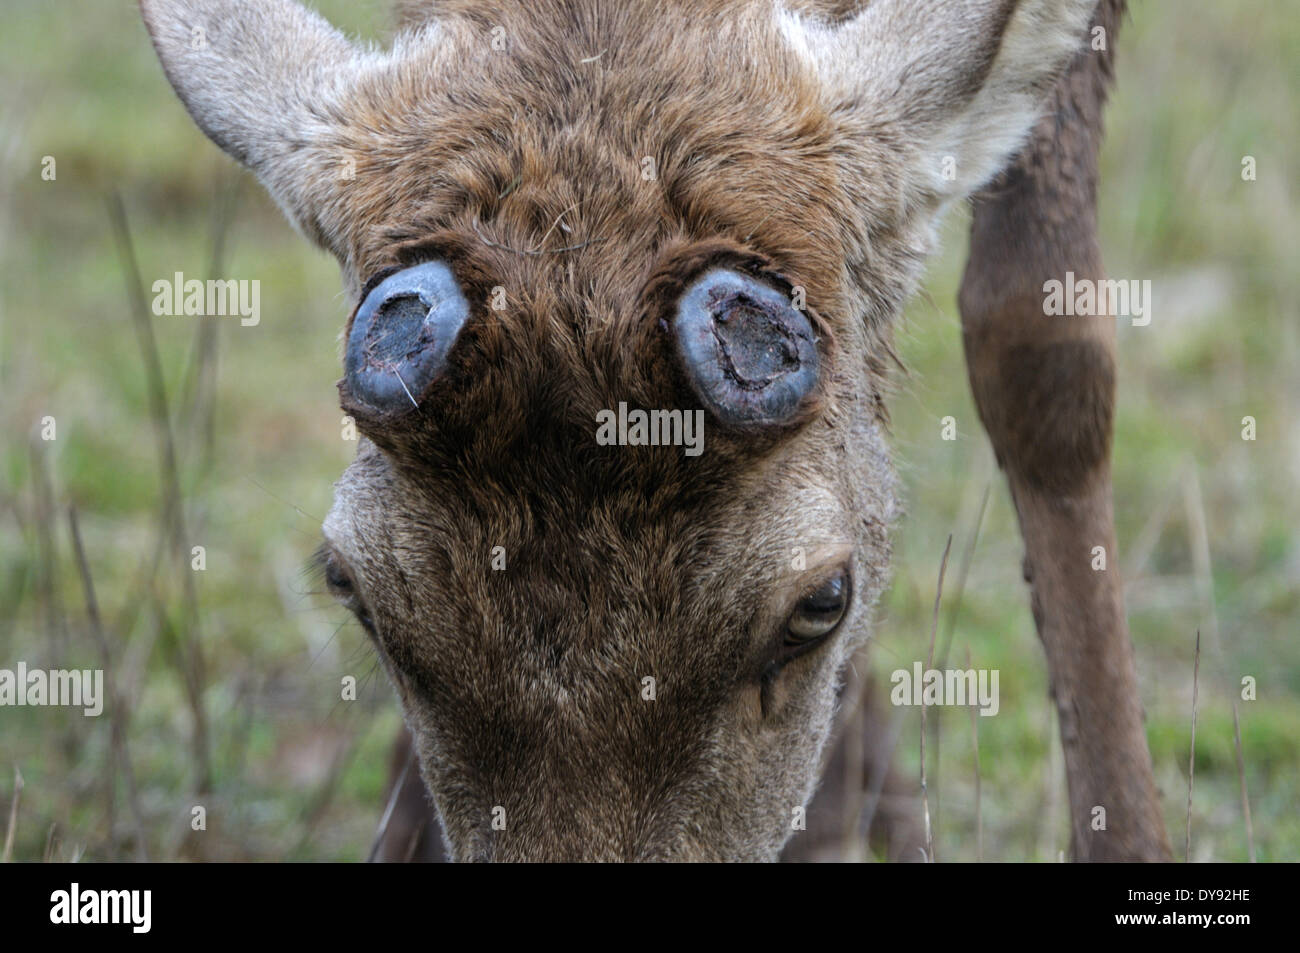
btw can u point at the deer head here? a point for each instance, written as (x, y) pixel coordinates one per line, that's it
(544, 211)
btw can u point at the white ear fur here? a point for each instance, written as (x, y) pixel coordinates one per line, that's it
(961, 80)
(264, 79)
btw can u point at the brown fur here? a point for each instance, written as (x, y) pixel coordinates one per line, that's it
(802, 147)
(524, 686)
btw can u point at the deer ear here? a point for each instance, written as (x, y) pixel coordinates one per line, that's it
(961, 81)
(265, 80)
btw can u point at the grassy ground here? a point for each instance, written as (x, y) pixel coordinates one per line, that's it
(1207, 521)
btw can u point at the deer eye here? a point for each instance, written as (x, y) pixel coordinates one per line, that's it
(342, 588)
(818, 613)
(339, 582)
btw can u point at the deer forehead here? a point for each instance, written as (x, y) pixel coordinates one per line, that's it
(612, 140)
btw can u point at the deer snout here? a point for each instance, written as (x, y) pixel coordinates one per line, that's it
(401, 335)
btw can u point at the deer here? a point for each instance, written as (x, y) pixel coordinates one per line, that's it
(545, 210)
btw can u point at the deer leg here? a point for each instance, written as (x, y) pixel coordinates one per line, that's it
(860, 788)
(1045, 390)
(413, 834)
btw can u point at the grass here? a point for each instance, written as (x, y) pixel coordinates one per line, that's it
(298, 772)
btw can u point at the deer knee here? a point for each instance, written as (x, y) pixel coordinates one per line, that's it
(1048, 407)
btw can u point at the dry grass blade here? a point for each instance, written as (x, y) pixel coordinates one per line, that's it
(117, 711)
(48, 855)
(172, 512)
(1241, 778)
(963, 571)
(1199, 541)
(13, 817)
(191, 670)
(199, 382)
(1191, 755)
(1141, 550)
(929, 662)
(534, 252)
(156, 387)
(382, 830)
(413, 844)
(43, 521)
(975, 747)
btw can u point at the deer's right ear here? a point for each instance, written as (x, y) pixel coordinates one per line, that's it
(265, 80)
(953, 85)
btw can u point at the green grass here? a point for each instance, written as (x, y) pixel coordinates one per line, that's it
(1201, 85)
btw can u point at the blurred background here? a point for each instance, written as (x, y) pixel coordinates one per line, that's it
(177, 432)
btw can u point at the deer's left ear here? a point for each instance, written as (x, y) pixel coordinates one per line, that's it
(266, 80)
(961, 82)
